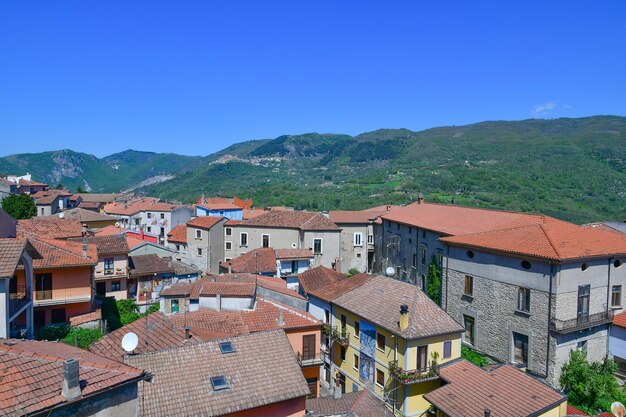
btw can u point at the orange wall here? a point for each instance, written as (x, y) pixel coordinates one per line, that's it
(77, 281)
(71, 310)
(295, 338)
(289, 408)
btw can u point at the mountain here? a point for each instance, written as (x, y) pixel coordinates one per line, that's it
(573, 169)
(114, 173)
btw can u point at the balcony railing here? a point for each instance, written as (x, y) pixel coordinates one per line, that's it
(43, 295)
(62, 296)
(18, 299)
(309, 359)
(582, 322)
(413, 376)
(340, 336)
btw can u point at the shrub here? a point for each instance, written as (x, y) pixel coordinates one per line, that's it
(473, 357)
(82, 338)
(52, 332)
(352, 271)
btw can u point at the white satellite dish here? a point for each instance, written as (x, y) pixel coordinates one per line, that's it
(130, 342)
(117, 224)
(390, 271)
(61, 215)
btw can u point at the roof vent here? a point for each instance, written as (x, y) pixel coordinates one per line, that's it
(71, 382)
(487, 412)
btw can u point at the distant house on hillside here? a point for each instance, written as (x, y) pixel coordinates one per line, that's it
(231, 208)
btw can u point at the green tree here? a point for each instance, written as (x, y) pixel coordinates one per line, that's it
(433, 288)
(80, 190)
(59, 186)
(352, 271)
(19, 206)
(590, 386)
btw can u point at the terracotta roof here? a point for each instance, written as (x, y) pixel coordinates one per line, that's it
(148, 265)
(178, 234)
(378, 301)
(318, 277)
(134, 242)
(109, 230)
(252, 372)
(100, 197)
(256, 261)
(548, 238)
(330, 292)
(107, 245)
(250, 214)
(233, 222)
(506, 391)
(181, 268)
(620, 320)
(454, 220)
(45, 199)
(294, 254)
(208, 323)
(50, 227)
(213, 200)
(155, 332)
(85, 318)
(204, 222)
(225, 289)
(573, 411)
(11, 250)
(354, 404)
(127, 208)
(354, 217)
(265, 316)
(33, 375)
(82, 215)
(89, 205)
(302, 220)
(63, 254)
(31, 183)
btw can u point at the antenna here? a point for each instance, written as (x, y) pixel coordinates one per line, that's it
(130, 342)
(61, 215)
(390, 271)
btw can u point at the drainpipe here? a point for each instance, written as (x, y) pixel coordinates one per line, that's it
(447, 266)
(395, 383)
(552, 274)
(608, 306)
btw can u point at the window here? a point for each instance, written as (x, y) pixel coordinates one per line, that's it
(370, 239)
(108, 266)
(523, 300)
(162, 231)
(199, 251)
(243, 239)
(380, 341)
(43, 287)
(357, 329)
(526, 264)
(149, 215)
(423, 254)
(228, 231)
(582, 346)
(344, 322)
(414, 260)
(380, 378)
(355, 365)
(149, 229)
(198, 234)
(162, 215)
(342, 353)
(177, 248)
(228, 245)
(469, 285)
(469, 329)
(227, 347)
(616, 296)
(116, 286)
(520, 349)
(266, 241)
(447, 349)
(219, 383)
(583, 302)
(317, 246)
(58, 315)
(424, 234)
(358, 239)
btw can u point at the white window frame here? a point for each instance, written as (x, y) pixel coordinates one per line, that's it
(228, 231)
(370, 239)
(228, 245)
(198, 234)
(357, 239)
(241, 235)
(321, 251)
(269, 242)
(199, 251)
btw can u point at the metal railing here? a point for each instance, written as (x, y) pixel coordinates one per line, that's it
(62, 295)
(340, 336)
(413, 376)
(18, 298)
(309, 358)
(582, 322)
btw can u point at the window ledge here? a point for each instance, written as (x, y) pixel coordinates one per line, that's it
(522, 313)
(470, 296)
(616, 307)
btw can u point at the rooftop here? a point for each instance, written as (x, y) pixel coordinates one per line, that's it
(51, 227)
(302, 220)
(354, 216)
(149, 264)
(620, 320)
(353, 404)
(33, 375)
(378, 301)
(63, 254)
(178, 234)
(333, 290)
(130, 207)
(82, 215)
(11, 250)
(506, 391)
(107, 245)
(318, 277)
(252, 373)
(204, 222)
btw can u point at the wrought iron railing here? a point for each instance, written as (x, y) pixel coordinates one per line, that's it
(582, 322)
(309, 358)
(18, 298)
(340, 336)
(415, 375)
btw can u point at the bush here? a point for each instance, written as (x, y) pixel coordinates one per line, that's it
(110, 313)
(19, 206)
(128, 311)
(352, 271)
(473, 357)
(82, 338)
(152, 309)
(52, 332)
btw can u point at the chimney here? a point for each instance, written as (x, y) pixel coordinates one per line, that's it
(141, 233)
(281, 319)
(212, 278)
(71, 382)
(337, 390)
(218, 302)
(187, 335)
(420, 198)
(487, 412)
(404, 317)
(230, 267)
(85, 248)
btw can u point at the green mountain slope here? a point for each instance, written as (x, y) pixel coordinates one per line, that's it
(570, 168)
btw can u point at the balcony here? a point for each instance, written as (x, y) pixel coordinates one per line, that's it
(338, 335)
(18, 299)
(582, 322)
(309, 359)
(62, 296)
(414, 376)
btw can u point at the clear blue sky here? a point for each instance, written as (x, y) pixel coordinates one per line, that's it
(195, 76)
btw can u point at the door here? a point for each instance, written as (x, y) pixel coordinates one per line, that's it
(308, 347)
(39, 318)
(312, 383)
(101, 288)
(422, 357)
(43, 287)
(58, 315)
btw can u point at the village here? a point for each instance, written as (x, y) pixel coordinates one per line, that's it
(420, 309)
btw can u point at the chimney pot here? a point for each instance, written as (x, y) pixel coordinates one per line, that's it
(403, 324)
(187, 329)
(71, 379)
(281, 319)
(218, 301)
(487, 412)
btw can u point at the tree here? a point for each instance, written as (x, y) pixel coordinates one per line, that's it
(433, 288)
(590, 386)
(59, 186)
(19, 206)
(80, 190)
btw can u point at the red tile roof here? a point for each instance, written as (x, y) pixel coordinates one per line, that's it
(148, 265)
(109, 230)
(333, 290)
(127, 208)
(81, 215)
(302, 220)
(134, 242)
(63, 254)
(107, 245)
(355, 404)
(318, 277)
(32, 374)
(178, 234)
(204, 222)
(573, 411)
(11, 250)
(620, 320)
(250, 214)
(506, 391)
(294, 254)
(85, 318)
(49, 227)
(547, 238)
(225, 289)
(259, 260)
(354, 217)
(31, 183)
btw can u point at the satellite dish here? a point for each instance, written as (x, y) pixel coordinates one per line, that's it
(61, 215)
(130, 342)
(390, 271)
(117, 224)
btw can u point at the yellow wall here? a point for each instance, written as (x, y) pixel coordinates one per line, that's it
(559, 411)
(435, 344)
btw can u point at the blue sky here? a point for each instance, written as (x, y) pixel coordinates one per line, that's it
(193, 77)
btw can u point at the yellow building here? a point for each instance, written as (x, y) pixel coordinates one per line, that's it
(390, 338)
